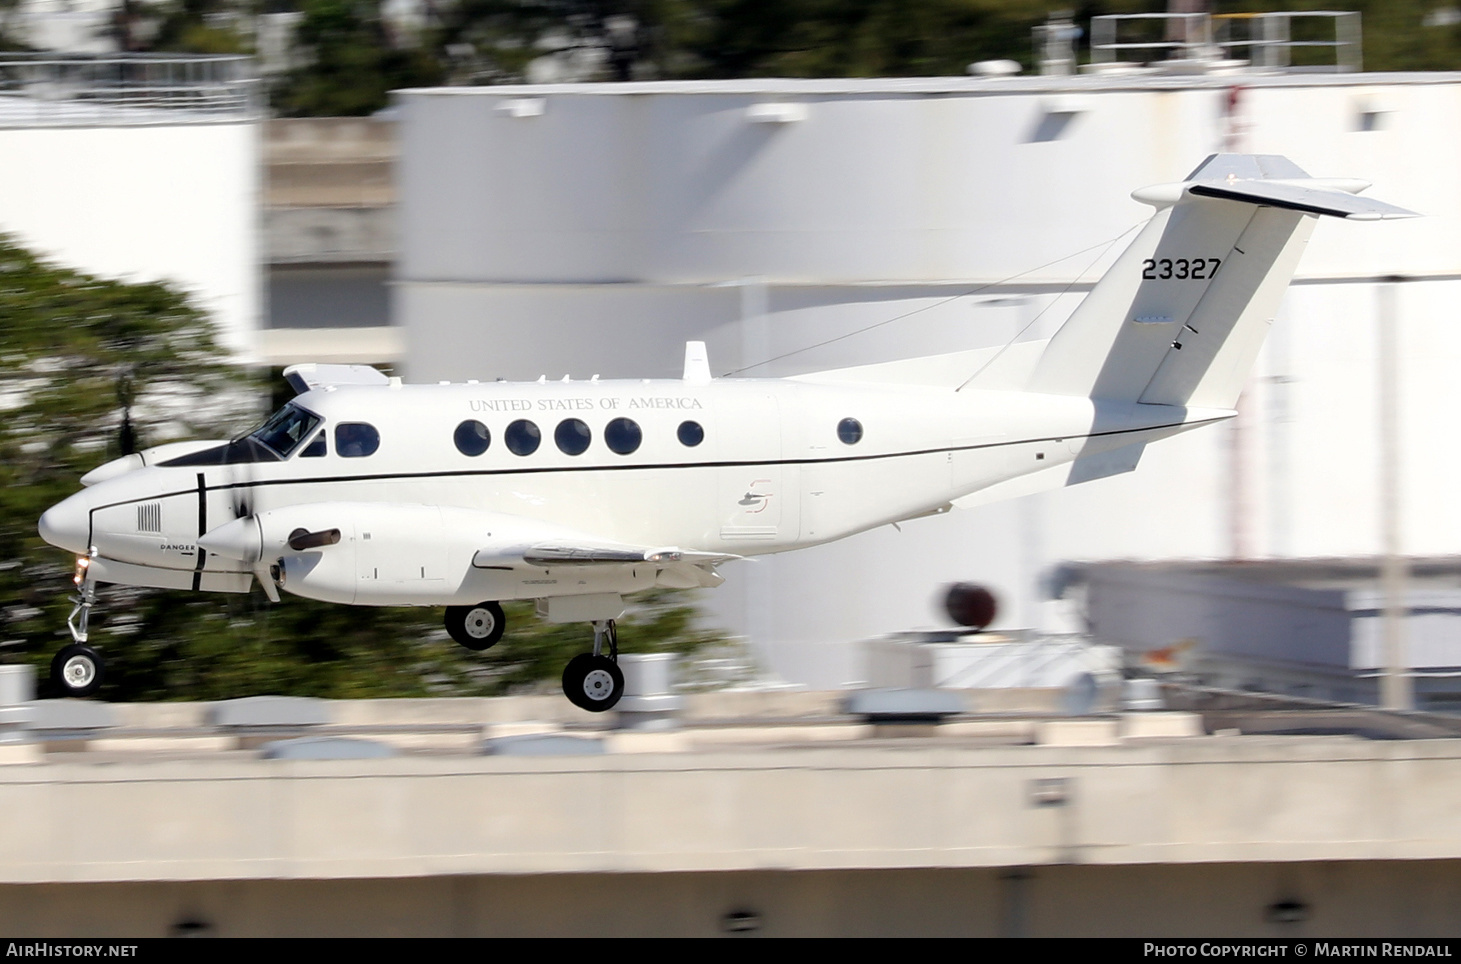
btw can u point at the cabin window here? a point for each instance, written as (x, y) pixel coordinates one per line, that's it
(572, 436)
(356, 440)
(849, 430)
(522, 437)
(622, 435)
(690, 434)
(315, 449)
(472, 437)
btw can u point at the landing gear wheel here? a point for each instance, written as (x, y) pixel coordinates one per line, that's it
(593, 683)
(77, 670)
(476, 627)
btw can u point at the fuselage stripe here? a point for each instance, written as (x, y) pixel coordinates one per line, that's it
(461, 473)
(202, 505)
(202, 528)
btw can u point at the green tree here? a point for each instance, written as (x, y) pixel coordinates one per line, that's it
(848, 38)
(70, 345)
(351, 63)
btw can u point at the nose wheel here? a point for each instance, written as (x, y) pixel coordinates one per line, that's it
(593, 681)
(77, 669)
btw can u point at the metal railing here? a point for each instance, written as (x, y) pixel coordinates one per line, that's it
(1266, 38)
(46, 89)
(1185, 36)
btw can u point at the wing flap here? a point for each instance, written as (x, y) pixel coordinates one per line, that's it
(563, 554)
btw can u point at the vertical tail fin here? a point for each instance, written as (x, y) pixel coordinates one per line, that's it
(1179, 318)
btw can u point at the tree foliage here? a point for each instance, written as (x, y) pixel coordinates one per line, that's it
(351, 53)
(68, 342)
(351, 63)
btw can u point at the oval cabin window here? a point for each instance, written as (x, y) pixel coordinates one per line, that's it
(622, 435)
(572, 436)
(472, 437)
(522, 437)
(690, 434)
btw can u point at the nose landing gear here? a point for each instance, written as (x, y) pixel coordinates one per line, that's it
(593, 681)
(77, 669)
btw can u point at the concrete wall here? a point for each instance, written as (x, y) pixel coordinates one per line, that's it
(1393, 899)
(875, 804)
(897, 837)
(329, 237)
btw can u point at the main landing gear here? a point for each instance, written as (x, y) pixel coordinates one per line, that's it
(476, 627)
(593, 681)
(78, 669)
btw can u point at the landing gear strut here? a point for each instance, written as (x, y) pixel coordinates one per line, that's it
(593, 681)
(78, 669)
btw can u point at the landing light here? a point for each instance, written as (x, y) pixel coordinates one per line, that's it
(82, 564)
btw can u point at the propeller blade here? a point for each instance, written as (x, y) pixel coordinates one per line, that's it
(126, 435)
(266, 581)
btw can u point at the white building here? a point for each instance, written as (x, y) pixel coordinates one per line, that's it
(587, 229)
(139, 168)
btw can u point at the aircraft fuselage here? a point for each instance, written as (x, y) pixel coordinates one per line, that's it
(738, 467)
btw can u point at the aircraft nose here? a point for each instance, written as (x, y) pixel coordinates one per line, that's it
(67, 525)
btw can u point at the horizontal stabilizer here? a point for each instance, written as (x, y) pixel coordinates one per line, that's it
(1301, 197)
(1273, 181)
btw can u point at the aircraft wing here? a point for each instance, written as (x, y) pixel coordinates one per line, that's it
(559, 555)
(682, 568)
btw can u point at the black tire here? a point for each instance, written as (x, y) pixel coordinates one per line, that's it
(593, 683)
(476, 627)
(573, 675)
(77, 670)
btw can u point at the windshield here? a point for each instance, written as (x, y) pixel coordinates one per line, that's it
(286, 430)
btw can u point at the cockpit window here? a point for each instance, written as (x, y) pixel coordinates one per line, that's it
(274, 441)
(287, 430)
(315, 449)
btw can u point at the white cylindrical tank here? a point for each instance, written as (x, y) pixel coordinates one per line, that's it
(797, 225)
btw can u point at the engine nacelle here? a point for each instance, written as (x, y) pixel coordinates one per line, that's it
(391, 554)
(362, 553)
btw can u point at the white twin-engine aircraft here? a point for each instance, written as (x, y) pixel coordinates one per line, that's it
(365, 491)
